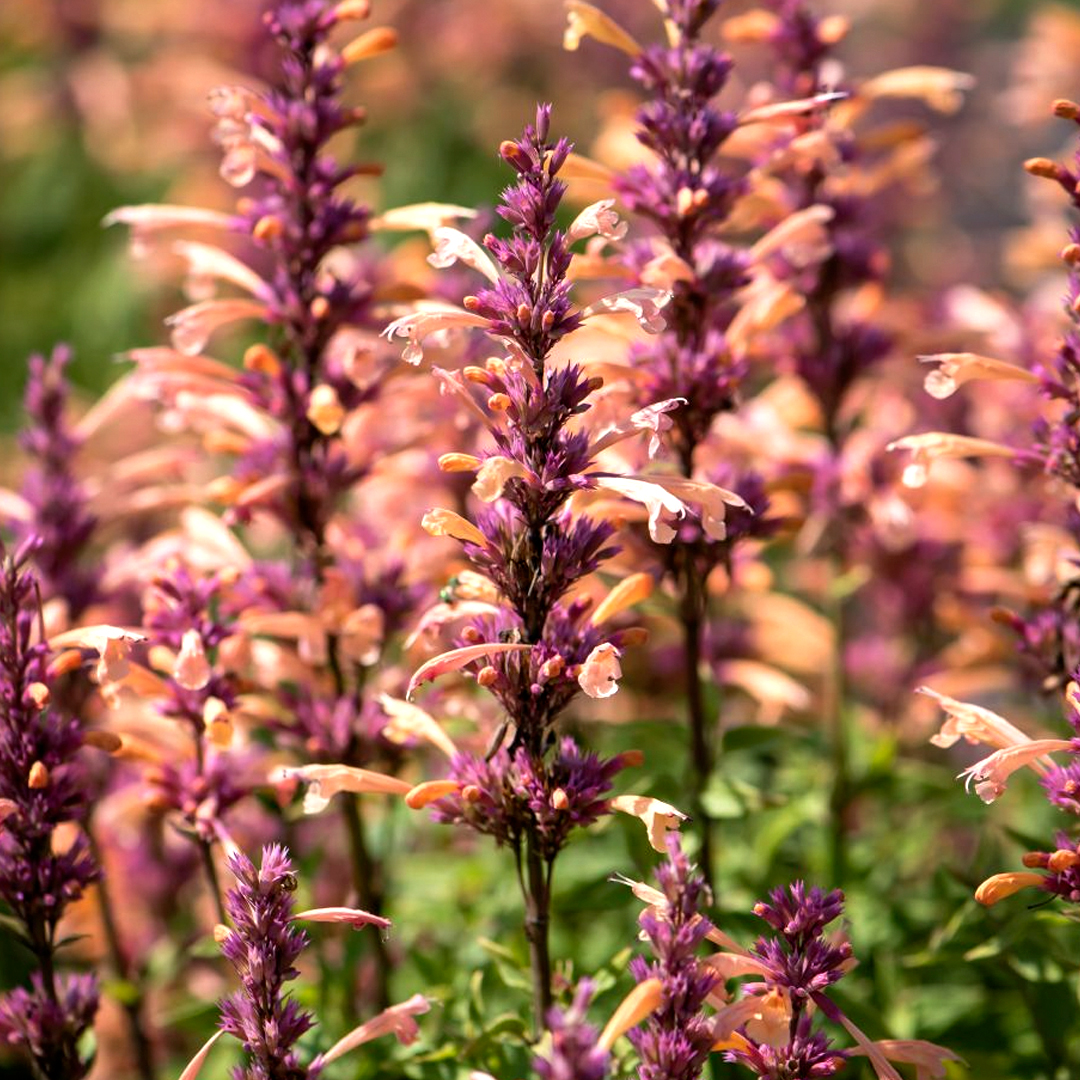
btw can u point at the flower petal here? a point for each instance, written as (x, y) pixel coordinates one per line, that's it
(396, 1020)
(456, 659)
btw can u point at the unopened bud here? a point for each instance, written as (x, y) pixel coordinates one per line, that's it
(1062, 860)
(594, 383)
(833, 29)
(378, 40)
(548, 319)
(1071, 254)
(39, 776)
(221, 932)
(1044, 167)
(351, 9)
(470, 303)
(488, 676)
(632, 759)
(325, 410)
(552, 668)
(476, 374)
(320, 307)
(634, 635)
(471, 636)
(524, 313)
(457, 462)
(261, 359)
(1066, 109)
(559, 799)
(684, 201)
(108, 741)
(38, 693)
(1035, 860)
(499, 402)
(268, 228)
(511, 153)
(471, 793)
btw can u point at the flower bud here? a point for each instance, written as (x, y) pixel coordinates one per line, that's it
(499, 402)
(488, 676)
(1067, 110)
(39, 776)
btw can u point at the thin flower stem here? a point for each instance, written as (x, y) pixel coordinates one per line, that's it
(367, 881)
(840, 735)
(122, 969)
(207, 852)
(537, 926)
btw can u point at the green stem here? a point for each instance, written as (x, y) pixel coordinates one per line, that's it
(536, 889)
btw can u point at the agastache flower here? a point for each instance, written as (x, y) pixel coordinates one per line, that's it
(40, 791)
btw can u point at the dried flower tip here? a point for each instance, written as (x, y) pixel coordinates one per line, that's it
(559, 799)
(1035, 860)
(471, 793)
(499, 402)
(373, 42)
(750, 28)
(1062, 860)
(1000, 886)
(1067, 110)
(1044, 167)
(428, 792)
(108, 741)
(594, 383)
(553, 668)
(513, 155)
(38, 693)
(351, 9)
(221, 933)
(457, 462)
(476, 374)
(325, 410)
(643, 1000)
(632, 759)
(39, 776)
(487, 676)
(263, 360)
(583, 20)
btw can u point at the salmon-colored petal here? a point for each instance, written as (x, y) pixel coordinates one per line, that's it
(456, 659)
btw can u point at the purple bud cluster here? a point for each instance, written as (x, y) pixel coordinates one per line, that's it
(685, 194)
(59, 515)
(676, 1040)
(506, 795)
(40, 791)
(574, 1053)
(801, 963)
(263, 947)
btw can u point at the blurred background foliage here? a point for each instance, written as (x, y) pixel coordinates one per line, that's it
(102, 102)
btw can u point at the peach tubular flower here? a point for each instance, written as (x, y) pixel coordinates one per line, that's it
(597, 219)
(456, 659)
(584, 20)
(999, 886)
(645, 303)
(492, 475)
(940, 88)
(192, 327)
(642, 1001)
(111, 643)
(928, 1058)
(439, 522)
(325, 781)
(656, 499)
(397, 1020)
(801, 238)
(658, 817)
(194, 1066)
(421, 324)
(711, 499)
(353, 917)
(427, 216)
(973, 723)
(955, 369)
(932, 445)
(207, 263)
(192, 669)
(601, 671)
(452, 245)
(631, 590)
(430, 791)
(991, 774)
(408, 721)
(652, 418)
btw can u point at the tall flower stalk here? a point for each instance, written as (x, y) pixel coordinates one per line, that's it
(535, 639)
(40, 792)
